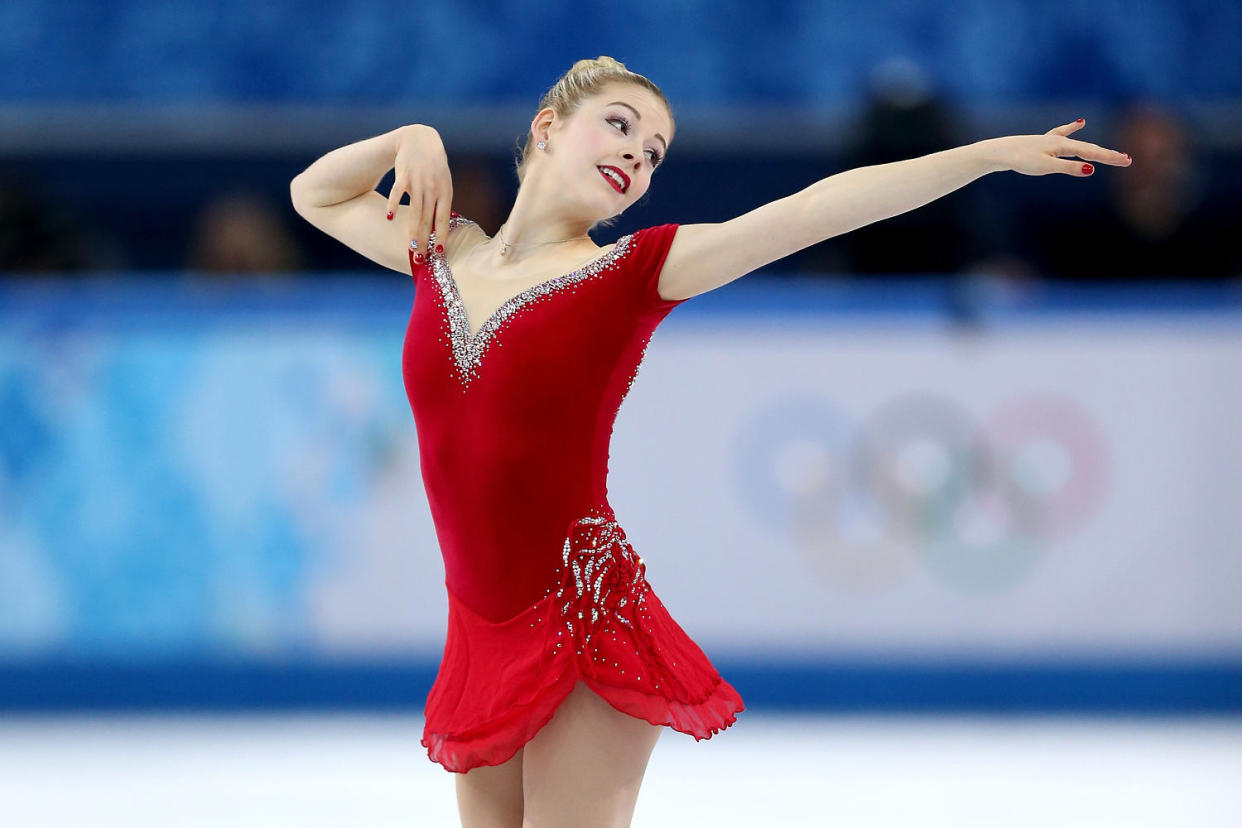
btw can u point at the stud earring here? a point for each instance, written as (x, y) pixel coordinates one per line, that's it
(542, 145)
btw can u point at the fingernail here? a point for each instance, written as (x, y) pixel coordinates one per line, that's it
(390, 215)
(439, 248)
(418, 257)
(1080, 121)
(1127, 155)
(1087, 169)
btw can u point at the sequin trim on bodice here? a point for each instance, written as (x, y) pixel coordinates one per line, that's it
(468, 348)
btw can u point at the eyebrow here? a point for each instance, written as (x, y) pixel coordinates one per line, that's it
(638, 117)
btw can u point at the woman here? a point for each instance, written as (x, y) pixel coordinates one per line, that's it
(561, 665)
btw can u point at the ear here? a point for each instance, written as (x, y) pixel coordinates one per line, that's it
(541, 126)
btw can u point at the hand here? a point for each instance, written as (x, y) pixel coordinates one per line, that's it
(421, 169)
(1042, 154)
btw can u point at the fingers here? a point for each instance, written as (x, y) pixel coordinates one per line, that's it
(1085, 149)
(428, 216)
(1078, 168)
(411, 227)
(416, 239)
(394, 197)
(425, 222)
(442, 221)
(433, 221)
(1066, 129)
(418, 227)
(1094, 152)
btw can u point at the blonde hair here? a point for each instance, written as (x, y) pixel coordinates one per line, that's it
(584, 79)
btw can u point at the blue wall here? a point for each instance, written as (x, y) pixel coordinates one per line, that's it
(703, 52)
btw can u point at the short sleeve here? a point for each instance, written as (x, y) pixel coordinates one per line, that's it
(651, 249)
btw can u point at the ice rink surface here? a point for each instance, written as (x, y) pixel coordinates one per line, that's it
(369, 771)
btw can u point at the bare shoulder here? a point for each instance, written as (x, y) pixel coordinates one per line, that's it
(704, 257)
(463, 236)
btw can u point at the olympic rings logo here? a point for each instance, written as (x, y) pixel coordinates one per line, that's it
(921, 484)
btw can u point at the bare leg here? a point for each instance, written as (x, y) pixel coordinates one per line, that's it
(490, 796)
(585, 766)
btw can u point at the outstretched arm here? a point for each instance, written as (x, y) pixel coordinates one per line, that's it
(705, 256)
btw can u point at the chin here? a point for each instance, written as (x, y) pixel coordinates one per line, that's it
(607, 212)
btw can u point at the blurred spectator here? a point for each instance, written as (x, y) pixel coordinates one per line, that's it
(1156, 221)
(242, 233)
(38, 235)
(477, 193)
(904, 120)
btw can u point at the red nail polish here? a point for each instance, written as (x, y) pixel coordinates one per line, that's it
(418, 258)
(1079, 121)
(390, 215)
(1087, 169)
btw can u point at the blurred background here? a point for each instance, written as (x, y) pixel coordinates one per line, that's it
(951, 499)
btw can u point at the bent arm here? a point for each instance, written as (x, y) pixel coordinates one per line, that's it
(346, 172)
(337, 195)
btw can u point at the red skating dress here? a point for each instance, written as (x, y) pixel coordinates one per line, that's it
(514, 421)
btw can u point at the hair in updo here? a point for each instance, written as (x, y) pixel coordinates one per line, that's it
(584, 79)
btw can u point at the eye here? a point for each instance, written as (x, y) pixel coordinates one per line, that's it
(656, 157)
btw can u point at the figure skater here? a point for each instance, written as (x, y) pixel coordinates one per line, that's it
(561, 666)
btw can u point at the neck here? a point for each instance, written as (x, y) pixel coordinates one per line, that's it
(539, 223)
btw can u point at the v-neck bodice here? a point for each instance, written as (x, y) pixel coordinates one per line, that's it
(469, 347)
(514, 420)
(518, 297)
(451, 278)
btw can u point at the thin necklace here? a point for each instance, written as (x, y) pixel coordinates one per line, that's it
(505, 245)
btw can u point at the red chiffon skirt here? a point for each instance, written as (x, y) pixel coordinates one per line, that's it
(600, 622)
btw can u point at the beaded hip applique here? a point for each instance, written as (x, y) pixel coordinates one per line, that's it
(468, 347)
(601, 580)
(607, 576)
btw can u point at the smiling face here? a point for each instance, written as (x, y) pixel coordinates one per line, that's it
(624, 127)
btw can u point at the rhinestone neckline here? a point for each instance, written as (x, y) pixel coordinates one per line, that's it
(469, 346)
(448, 271)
